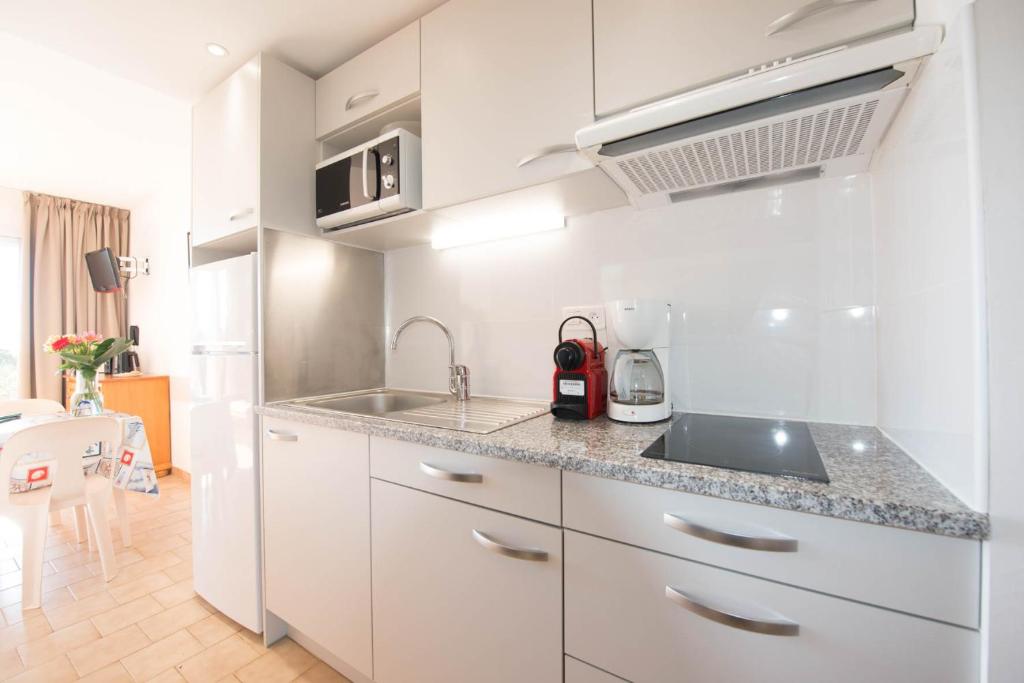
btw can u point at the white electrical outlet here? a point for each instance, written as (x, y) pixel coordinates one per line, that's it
(594, 314)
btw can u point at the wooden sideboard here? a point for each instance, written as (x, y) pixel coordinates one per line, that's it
(147, 396)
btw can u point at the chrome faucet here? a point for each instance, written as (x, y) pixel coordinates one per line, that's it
(458, 375)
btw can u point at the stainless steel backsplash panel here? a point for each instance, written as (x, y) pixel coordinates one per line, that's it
(323, 317)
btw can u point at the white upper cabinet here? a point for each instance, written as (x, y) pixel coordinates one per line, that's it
(505, 85)
(253, 153)
(386, 74)
(648, 49)
(225, 156)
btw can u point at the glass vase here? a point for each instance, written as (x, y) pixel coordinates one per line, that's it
(88, 396)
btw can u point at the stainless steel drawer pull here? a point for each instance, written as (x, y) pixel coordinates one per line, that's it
(281, 436)
(770, 627)
(775, 543)
(446, 475)
(531, 554)
(241, 213)
(545, 152)
(803, 12)
(360, 97)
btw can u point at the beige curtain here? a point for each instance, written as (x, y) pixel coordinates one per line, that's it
(61, 298)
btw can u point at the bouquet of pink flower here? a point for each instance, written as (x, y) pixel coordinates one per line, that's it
(85, 352)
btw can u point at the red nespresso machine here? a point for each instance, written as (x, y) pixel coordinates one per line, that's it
(580, 383)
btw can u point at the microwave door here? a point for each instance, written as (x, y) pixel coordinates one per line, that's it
(339, 186)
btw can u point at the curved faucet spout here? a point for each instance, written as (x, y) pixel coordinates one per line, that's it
(433, 321)
(458, 375)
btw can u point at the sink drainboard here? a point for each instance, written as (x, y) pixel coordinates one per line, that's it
(479, 415)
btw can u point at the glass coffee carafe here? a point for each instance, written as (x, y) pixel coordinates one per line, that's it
(637, 378)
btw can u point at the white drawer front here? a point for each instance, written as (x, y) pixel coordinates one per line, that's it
(624, 613)
(925, 574)
(377, 78)
(450, 607)
(527, 490)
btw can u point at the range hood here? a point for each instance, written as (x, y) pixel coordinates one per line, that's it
(823, 114)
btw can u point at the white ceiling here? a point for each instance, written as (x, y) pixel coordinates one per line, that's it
(162, 43)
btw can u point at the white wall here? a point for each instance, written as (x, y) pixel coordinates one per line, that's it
(927, 278)
(69, 129)
(1001, 107)
(725, 263)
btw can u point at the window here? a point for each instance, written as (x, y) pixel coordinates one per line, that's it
(10, 315)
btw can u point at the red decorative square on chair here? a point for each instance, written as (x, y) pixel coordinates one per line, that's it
(37, 474)
(127, 456)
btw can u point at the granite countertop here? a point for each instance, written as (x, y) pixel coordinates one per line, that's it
(874, 482)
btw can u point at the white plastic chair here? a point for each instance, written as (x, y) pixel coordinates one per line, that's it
(29, 407)
(64, 441)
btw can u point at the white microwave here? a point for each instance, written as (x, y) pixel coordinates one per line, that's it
(377, 179)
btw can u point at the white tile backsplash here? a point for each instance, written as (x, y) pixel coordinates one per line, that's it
(725, 263)
(927, 370)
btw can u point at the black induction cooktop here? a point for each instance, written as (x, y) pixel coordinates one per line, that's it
(780, 447)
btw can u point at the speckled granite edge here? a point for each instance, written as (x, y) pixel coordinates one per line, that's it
(872, 480)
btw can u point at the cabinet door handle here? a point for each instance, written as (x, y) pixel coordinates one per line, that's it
(275, 435)
(241, 213)
(769, 627)
(803, 12)
(545, 152)
(531, 554)
(447, 475)
(360, 97)
(775, 543)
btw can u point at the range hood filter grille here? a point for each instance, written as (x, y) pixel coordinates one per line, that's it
(803, 138)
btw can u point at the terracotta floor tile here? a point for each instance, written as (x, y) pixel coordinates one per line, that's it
(174, 619)
(215, 663)
(143, 585)
(169, 676)
(55, 671)
(182, 570)
(14, 614)
(321, 673)
(65, 578)
(107, 650)
(213, 629)
(34, 626)
(163, 654)
(284, 662)
(114, 673)
(10, 664)
(255, 640)
(127, 614)
(162, 543)
(42, 650)
(73, 612)
(177, 593)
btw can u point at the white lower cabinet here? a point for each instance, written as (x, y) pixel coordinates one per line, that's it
(316, 530)
(461, 593)
(651, 618)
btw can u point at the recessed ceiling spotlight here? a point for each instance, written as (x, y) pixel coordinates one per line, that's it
(216, 49)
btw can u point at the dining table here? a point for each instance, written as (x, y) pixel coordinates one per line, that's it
(128, 463)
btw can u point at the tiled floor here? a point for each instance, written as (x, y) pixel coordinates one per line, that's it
(145, 624)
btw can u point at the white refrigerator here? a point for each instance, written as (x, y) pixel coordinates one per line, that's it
(224, 442)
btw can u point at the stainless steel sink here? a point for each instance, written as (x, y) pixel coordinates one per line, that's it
(376, 403)
(480, 414)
